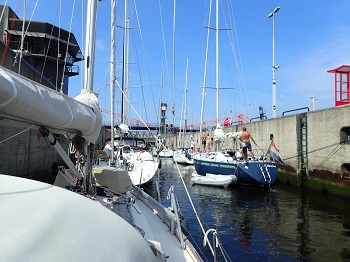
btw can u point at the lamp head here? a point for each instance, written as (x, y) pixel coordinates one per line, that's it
(276, 9)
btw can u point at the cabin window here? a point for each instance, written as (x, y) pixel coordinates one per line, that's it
(345, 135)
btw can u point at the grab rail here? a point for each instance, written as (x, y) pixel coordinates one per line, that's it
(171, 196)
(164, 213)
(308, 109)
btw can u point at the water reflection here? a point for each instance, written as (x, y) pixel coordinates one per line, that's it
(258, 224)
(303, 233)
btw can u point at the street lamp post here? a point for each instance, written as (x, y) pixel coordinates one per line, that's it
(313, 98)
(274, 67)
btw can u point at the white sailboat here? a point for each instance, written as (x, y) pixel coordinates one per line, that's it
(141, 165)
(224, 162)
(165, 152)
(102, 217)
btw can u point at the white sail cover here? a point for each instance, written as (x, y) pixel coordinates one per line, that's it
(26, 100)
(41, 222)
(218, 133)
(124, 128)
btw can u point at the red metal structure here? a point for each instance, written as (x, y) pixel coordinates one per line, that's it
(341, 85)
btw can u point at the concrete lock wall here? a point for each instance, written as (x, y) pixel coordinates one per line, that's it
(333, 135)
(323, 142)
(26, 153)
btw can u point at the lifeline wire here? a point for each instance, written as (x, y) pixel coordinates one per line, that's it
(16, 134)
(183, 182)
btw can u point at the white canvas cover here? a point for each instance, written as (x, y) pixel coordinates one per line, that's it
(41, 222)
(29, 101)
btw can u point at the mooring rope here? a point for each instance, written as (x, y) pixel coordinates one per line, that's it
(335, 150)
(313, 151)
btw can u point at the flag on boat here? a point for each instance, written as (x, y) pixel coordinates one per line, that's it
(274, 153)
(227, 121)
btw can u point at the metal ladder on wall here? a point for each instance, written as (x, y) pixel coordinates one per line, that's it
(266, 174)
(302, 137)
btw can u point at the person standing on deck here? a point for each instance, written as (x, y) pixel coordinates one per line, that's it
(208, 142)
(192, 144)
(204, 142)
(245, 138)
(108, 149)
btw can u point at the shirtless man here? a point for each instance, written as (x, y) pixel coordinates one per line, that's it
(204, 142)
(245, 137)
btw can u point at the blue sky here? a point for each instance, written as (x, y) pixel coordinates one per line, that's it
(311, 37)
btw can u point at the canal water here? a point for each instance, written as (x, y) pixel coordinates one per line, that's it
(255, 224)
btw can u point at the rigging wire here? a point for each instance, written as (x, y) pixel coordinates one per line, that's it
(139, 73)
(192, 205)
(205, 72)
(24, 33)
(3, 11)
(8, 36)
(67, 47)
(25, 130)
(58, 44)
(22, 37)
(144, 53)
(177, 167)
(233, 37)
(104, 79)
(47, 50)
(164, 43)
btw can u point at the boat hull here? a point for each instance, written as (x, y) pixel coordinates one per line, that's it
(213, 180)
(141, 165)
(253, 172)
(164, 153)
(183, 158)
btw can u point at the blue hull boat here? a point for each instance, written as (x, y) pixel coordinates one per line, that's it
(255, 172)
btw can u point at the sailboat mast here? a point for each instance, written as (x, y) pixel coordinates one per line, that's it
(124, 120)
(205, 72)
(217, 63)
(173, 85)
(161, 129)
(112, 73)
(89, 75)
(185, 102)
(183, 127)
(126, 92)
(90, 44)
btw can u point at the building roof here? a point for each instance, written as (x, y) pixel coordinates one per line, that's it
(342, 69)
(46, 30)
